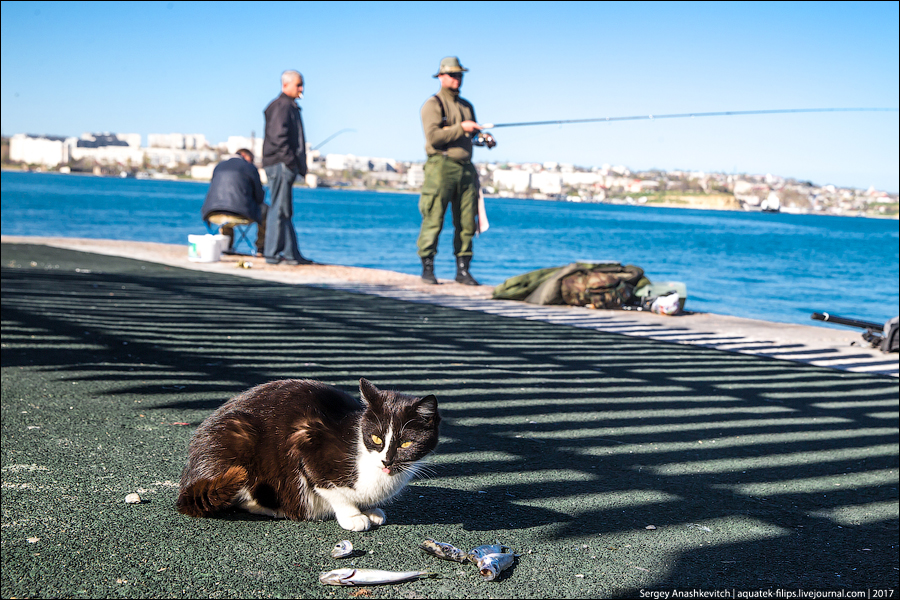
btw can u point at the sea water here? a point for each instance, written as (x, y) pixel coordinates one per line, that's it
(776, 267)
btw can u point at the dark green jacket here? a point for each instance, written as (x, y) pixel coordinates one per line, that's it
(543, 286)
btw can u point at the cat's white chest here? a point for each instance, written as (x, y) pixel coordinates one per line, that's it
(373, 484)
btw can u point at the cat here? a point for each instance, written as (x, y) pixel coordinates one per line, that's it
(303, 450)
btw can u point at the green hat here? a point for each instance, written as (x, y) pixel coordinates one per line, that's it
(450, 65)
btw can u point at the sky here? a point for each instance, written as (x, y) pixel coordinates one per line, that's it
(70, 68)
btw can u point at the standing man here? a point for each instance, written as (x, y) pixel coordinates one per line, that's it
(450, 176)
(236, 191)
(284, 159)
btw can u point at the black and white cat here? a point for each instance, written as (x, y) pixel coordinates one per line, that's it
(303, 450)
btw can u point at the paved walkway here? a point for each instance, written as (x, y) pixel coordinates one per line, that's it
(813, 345)
(612, 463)
(830, 346)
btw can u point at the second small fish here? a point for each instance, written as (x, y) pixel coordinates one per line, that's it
(444, 550)
(480, 551)
(490, 565)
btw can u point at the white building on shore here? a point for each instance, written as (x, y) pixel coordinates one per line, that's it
(47, 150)
(107, 148)
(110, 148)
(415, 175)
(344, 162)
(512, 180)
(178, 141)
(253, 144)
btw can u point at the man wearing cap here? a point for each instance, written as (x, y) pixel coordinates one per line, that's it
(450, 176)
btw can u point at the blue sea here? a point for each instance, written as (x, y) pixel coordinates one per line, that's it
(776, 267)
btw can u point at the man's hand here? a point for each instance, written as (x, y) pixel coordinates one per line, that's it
(470, 126)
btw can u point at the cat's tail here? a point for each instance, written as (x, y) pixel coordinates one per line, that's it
(205, 497)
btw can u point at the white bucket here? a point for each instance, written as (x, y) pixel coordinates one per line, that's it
(203, 248)
(223, 243)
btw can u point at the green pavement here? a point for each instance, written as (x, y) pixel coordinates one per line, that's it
(615, 466)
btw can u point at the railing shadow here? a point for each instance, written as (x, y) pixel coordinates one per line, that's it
(751, 472)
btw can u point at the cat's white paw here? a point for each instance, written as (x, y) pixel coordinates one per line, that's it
(376, 516)
(357, 522)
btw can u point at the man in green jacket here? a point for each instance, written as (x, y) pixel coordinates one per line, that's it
(450, 176)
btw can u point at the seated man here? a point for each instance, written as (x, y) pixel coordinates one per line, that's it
(236, 191)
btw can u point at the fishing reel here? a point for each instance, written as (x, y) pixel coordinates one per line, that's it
(484, 139)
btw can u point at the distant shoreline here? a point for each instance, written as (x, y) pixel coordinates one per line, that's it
(615, 202)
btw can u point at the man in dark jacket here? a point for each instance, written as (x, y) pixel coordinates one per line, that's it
(284, 159)
(236, 191)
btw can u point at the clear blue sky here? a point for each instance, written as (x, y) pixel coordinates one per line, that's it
(211, 68)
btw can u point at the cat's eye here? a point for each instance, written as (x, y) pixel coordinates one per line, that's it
(377, 439)
(406, 444)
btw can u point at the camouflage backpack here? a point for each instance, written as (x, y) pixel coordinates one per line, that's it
(606, 286)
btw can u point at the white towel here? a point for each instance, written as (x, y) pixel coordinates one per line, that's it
(482, 224)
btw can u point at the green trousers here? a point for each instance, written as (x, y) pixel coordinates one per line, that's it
(456, 184)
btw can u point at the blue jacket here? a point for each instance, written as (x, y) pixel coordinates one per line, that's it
(235, 188)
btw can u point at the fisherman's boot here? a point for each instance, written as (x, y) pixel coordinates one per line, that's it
(428, 271)
(462, 271)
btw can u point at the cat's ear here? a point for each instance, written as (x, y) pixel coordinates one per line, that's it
(427, 408)
(370, 394)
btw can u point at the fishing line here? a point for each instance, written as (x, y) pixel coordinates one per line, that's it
(331, 137)
(728, 113)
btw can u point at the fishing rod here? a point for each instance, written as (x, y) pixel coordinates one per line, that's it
(331, 137)
(727, 113)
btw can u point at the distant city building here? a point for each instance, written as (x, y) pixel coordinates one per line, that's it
(583, 179)
(415, 176)
(350, 162)
(132, 139)
(512, 180)
(169, 157)
(203, 172)
(107, 148)
(547, 182)
(253, 144)
(55, 150)
(48, 150)
(177, 141)
(637, 186)
(110, 153)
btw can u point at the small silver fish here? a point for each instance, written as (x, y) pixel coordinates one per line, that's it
(342, 549)
(369, 576)
(476, 553)
(444, 550)
(490, 565)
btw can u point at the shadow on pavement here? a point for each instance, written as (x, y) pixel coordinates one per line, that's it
(634, 464)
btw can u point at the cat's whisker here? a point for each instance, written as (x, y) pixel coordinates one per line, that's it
(426, 472)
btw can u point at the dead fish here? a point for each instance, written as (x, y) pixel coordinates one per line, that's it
(476, 553)
(369, 576)
(342, 549)
(444, 550)
(490, 565)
